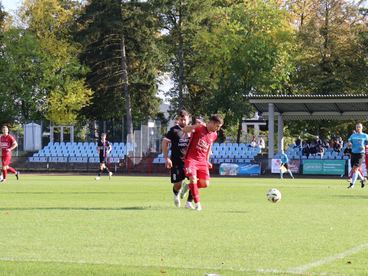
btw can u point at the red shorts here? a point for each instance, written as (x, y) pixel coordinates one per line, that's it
(5, 160)
(198, 169)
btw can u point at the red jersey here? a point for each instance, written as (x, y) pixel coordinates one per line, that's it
(200, 144)
(5, 143)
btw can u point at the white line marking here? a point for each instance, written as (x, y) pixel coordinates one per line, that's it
(352, 251)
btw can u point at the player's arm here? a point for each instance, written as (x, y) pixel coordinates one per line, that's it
(165, 150)
(192, 128)
(109, 149)
(13, 146)
(208, 157)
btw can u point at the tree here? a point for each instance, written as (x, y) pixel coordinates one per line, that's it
(21, 72)
(180, 22)
(51, 21)
(329, 58)
(119, 40)
(245, 48)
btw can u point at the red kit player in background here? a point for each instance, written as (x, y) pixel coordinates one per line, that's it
(7, 144)
(366, 160)
(196, 162)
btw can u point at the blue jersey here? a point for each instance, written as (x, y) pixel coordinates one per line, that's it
(284, 158)
(358, 140)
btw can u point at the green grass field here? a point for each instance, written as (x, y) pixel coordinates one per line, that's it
(73, 225)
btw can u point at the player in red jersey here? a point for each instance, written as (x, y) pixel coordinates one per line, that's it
(366, 159)
(196, 162)
(7, 144)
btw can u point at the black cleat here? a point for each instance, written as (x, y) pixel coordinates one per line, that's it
(17, 175)
(350, 186)
(362, 183)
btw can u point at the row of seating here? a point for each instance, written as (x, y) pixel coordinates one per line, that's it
(296, 153)
(226, 153)
(56, 152)
(60, 159)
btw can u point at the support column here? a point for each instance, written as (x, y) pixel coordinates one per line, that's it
(72, 134)
(271, 133)
(51, 134)
(256, 130)
(280, 132)
(61, 134)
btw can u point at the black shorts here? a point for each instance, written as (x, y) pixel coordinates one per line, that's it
(285, 165)
(103, 159)
(356, 159)
(177, 173)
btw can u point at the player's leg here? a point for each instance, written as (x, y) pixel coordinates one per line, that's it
(361, 176)
(5, 173)
(177, 176)
(106, 168)
(5, 160)
(288, 170)
(12, 170)
(100, 170)
(358, 160)
(354, 162)
(281, 171)
(191, 173)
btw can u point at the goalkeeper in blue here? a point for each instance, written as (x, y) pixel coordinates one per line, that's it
(357, 141)
(284, 167)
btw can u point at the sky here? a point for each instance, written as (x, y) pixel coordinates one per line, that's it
(11, 5)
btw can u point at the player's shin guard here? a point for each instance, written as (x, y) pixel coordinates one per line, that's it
(12, 170)
(195, 193)
(354, 177)
(190, 197)
(99, 172)
(5, 173)
(175, 191)
(106, 170)
(360, 174)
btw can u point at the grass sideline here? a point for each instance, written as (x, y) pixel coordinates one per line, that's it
(73, 225)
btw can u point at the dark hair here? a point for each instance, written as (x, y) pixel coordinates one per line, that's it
(183, 113)
(217, 119)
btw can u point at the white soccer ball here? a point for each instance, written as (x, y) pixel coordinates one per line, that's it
(274, 195)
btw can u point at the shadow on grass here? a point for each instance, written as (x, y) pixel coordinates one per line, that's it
(237, 212)
(352, 196)
(133, 208)
(70, 193)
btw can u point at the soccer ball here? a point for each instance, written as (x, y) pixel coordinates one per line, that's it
(274, 195)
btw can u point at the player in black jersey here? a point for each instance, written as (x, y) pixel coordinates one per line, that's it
(179, 141)
(104, 147)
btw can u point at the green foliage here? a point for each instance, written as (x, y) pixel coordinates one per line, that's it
(62, 81)
(21, 72)
(65, 102)
(331, 58)
(102, 25)
(244, 48)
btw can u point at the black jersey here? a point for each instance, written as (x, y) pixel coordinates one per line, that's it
(103, 148)
(179, 143)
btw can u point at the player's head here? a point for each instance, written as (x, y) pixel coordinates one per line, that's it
(359, 128)
(215, 123)
(5, 130)
(182, 118)
(103, 136)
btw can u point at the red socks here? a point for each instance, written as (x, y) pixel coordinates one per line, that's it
(12, 170)
(5, 173)
(195, 194)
